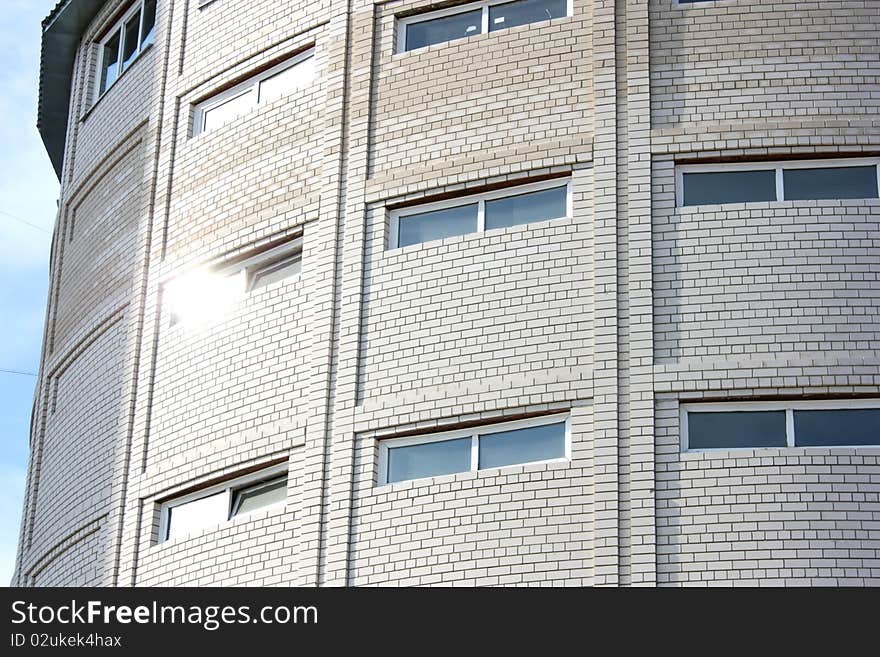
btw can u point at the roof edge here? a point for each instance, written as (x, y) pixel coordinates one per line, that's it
(62, 32)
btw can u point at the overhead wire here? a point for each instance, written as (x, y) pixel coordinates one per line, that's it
(5, 371)
(25, 222)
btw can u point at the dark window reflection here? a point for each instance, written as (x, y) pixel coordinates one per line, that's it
(149, 22)
(830, 183)
(736, 429)
(447, 28)
(523, 12)
(130, 40)
(729, 187)
(839, 427)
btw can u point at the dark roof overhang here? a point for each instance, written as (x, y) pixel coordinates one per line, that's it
(62, 31)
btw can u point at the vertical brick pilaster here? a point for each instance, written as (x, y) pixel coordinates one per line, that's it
(605, 212)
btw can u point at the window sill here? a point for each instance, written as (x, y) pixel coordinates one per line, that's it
(108, 90)
(797, 450)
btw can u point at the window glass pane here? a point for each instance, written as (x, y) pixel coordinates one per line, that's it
(729, 187)
(447, 28)
(190, 517)
(130, 40)
(149, 27)
(852, 426)
(288, 80)
(275, 271)
(830, 183)
(736, 429)
(435, 225)
(110, 62)
(259, 495)
(429, 459)
(226, 111)
(524, 208)
(522, 445)
(512, 14)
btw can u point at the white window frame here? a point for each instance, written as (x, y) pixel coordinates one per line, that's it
(404, 23)
(230, 488)
(788, 406)
(253, 265)
(386, 444)
(235, 499)
(250, 86)
(480, 199)
(137, 6)
(778, 166)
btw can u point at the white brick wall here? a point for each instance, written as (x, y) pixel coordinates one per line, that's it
(616, 314)
(770, 517)
(526, 524)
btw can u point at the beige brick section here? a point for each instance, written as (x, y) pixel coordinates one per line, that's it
(615, 315)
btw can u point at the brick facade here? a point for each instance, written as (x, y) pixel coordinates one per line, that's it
(615, 315)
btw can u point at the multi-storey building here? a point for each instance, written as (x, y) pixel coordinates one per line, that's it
(407, 292)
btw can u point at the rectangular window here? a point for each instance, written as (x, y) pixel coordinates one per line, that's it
(287, 80)
(476, 213)
(148, 29)
(125, 41)
(527, 208)
(829, 183)
(271, 265)
(511, 443)
(702, 188)
(527, 445)
(224, 110)
(709, 184)
(475, 18)
(217, 504)
(523, 12)
(190, 517)
(280, 80)
(713, 430)
(429, 459)
(130, 40)
(437, 224)
(253, 498)
(109, 62)
(818, 423)
(839, 427)
(443, 28)
(204, 295)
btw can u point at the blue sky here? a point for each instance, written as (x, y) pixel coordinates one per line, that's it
(28, 191)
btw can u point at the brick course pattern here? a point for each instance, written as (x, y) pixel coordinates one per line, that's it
(616, 315)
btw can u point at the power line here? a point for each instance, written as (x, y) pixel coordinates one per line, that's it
(25, 222)
(17, 372)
